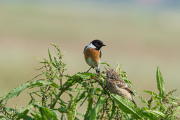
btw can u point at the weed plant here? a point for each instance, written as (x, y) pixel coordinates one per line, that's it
(47, 102)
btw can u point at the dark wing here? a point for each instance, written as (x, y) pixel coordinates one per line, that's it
(84, 49)
(100, 53)
(121, 84)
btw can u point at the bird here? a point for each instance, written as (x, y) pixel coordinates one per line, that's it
(118, 86)
(92, 54)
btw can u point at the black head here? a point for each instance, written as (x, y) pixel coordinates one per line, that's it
(98, 44)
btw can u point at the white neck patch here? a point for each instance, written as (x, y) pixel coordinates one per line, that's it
(91, 46)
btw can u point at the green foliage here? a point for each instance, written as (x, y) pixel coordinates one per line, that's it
(160, 83)
(47, 103)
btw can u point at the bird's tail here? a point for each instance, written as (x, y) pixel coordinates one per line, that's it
(134, 102)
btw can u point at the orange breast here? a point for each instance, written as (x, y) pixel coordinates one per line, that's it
(94, 54)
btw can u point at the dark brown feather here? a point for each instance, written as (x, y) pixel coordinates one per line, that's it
(121, 84)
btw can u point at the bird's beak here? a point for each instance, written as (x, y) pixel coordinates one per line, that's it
(103, 45)
(106, 69)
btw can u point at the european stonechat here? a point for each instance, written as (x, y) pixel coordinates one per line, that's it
(118, 86)
(92, 54)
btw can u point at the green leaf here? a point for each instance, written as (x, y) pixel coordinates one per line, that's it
(37, 115)
(4, 117)
(39, 58)
(47, 114)
(113, 111)
(39, 68)
(25, 108)
(76, 107)
(9, 109)
(174, 113)
(161, 105)
(62, 110)
(4, 94)
(154, 115)
(106, 64)
(72, 106)
(23, 115)
(83, 101)
(127, 106)
(83, 95)
(76, 89)
(15, 92)
(36, 77)
(55, 85)
(62, 103)
(90, 101)
(160, 83)
(80, 114)
(95, 110)
(85, 75)
(51, 58)
(126, 80)
(150, 92)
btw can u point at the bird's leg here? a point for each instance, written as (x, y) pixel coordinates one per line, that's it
(97, 71)
(89, 69)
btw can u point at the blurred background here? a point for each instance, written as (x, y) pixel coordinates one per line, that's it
(139, 34)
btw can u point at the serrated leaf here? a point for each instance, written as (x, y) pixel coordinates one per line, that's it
(75, 112)
(106, 64)
(155, 96)
(95, 110)
(84, 75)
(154, 115)
(127, 106)
(161, 105)
(23, 115)
(15, 92)
(150, 92)
(83, 95)
(72, 107)
(51, 59)
(90, 102)
(28, 107)
(4, 95)
(160, 83)
(83, 101)
(47, 114)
